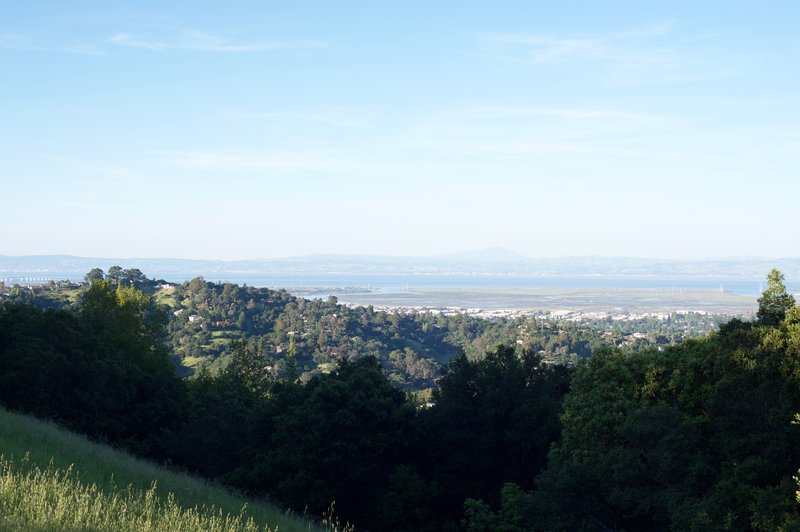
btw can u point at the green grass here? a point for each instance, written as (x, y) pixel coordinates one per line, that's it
(193, 362)
(32, 498)
(416, 346)
(51, 479)
(64, 298)
(218, 343)
(165, 297)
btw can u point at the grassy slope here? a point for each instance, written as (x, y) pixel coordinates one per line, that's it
(112, 472)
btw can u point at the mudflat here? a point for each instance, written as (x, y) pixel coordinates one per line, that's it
(614, 300)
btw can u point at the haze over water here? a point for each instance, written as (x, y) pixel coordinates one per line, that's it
(398, 283)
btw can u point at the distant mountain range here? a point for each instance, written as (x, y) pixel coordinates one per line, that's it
(497, 261)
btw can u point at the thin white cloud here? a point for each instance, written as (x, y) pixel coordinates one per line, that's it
(537, 49)
(538, 131)
(288, 161)
(615, 46)
(572, 114)
(189, 40)
(331, 117)
(658, 53)
(21, 43)
(480, 139)
(201, 41)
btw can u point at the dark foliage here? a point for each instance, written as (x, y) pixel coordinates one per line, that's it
(493, 421)
(697, 437)
(101, 370)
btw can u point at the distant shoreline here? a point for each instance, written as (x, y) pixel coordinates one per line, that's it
(403, 282)
(490, 293)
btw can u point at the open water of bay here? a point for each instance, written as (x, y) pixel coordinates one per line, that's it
(319, 284)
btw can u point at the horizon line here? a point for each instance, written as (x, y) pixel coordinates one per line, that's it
(447, 255)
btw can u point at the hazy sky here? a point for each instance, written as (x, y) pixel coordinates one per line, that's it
(265, 129)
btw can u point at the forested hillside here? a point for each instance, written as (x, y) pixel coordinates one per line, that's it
(694, 436)
(410, 345)
(205, 319)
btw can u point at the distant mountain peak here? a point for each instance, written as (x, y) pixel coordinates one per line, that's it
(492, 254)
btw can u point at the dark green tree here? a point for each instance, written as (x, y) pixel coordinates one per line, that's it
(247, 367)
(338, 438)
(291, 361)
(775, 301)
(493, 422)
(696, 437)
(102, 370)
(114, 273)
(95, 274)
(216, 435)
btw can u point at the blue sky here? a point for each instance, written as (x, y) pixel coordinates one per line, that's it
(266, 129)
